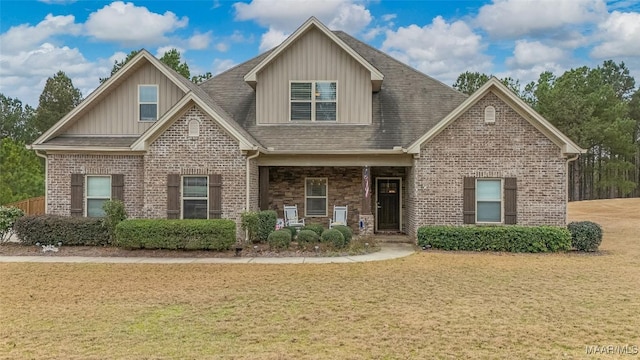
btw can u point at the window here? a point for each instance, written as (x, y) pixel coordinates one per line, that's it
(98, 192)
(148, 100)
(489, 200)
(195, 197)
(316, 196)
(313, 101)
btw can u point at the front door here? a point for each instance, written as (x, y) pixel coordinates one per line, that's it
(388, 204)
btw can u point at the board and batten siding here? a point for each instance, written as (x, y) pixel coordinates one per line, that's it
(117, 113)
(314, 57)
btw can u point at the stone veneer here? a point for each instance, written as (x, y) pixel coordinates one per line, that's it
(511, 147)
(212, 152)
(61, 166)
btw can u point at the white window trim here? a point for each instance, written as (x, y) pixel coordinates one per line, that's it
(313, 101)
(86, 192)
(501, 201)
(183, 198)
(326, 197)
(157, 102)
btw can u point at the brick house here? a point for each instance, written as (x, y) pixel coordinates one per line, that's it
(321, 120)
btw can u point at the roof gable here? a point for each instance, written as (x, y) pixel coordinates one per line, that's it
(494, 85)
(142, 143)
(143, 57)
(376, 75)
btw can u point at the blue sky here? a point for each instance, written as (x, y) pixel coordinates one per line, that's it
(514, 38)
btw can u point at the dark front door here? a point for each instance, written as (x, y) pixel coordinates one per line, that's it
(388, 204)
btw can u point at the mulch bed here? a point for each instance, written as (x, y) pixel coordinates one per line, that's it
(257, 250)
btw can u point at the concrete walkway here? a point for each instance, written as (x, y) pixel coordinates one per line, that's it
(388, 251)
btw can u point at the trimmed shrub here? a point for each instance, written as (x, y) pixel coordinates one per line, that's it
(266, 224)
(292, 229)
(191, 234)
(333, 237)
(317, 228)
(280, 239)
(52, 229)
(585, 235)
(249, 223)
(114, 214)
(346, 232)
(307, 237)
(532, 239)
(8, 217)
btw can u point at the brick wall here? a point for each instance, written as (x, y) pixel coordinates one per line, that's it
(511, 147)
(61, 166)
(213, 152)
(286, 187)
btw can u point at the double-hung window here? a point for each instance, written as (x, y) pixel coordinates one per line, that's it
(313, 101)
(489, 200)
(195, 197)
(316, 196)
(148, 101)
(98, 192)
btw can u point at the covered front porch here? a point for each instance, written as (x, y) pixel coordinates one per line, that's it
(376, 195)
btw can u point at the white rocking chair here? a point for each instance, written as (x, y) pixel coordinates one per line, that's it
(291, 216)
(339, 216)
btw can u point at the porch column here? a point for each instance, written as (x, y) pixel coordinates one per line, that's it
(366, 218)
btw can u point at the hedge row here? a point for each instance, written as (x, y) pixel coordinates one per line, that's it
(52, 229)
(213, 234)
(496, 238)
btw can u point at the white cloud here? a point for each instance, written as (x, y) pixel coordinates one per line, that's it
(440, 49)
(621, 34)
(529, 54)
(239, 37)
(25, 73)
(199, 41)
(388, 17)
(116, 21)
(23, 37)
(220, 65)
(283, 16)
(163, 49)
(515, 18)
(222, 47)
(271, 39)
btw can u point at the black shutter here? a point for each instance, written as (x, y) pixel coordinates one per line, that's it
(215, 196)
(173, 196)
(77, 194)
(117, 187)
(469, 200)
(510, 201)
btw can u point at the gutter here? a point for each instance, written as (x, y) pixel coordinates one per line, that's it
(569, 159)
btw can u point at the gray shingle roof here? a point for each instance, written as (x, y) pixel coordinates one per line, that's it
(408, 105)
(99, 141)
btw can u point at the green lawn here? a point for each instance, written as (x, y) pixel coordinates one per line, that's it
(429, 305)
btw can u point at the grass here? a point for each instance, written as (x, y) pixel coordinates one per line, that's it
(445, 305)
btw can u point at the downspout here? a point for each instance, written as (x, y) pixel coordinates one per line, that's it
(46, 182)
(569, 159)
(248, 183)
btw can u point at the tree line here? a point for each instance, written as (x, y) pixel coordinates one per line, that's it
(599, 109)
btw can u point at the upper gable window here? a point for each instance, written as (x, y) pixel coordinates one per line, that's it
(148, 100)
(314, 101)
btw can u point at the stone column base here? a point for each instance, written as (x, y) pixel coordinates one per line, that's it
(366, 225)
